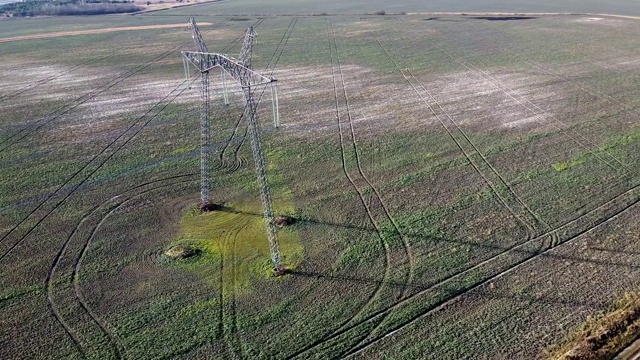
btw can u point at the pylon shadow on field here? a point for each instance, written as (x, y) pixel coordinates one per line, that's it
(481, 293)
(539, 253)
(523, 296)
(339, 277)
(436, 239)
(305, 221)
(615, 251)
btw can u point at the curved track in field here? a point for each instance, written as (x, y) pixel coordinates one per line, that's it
(236, 129)
(531, 230)
(114, 146)
(83, 233)
(445, 291)
(633, 198)
(376, 197)
(375, 208)
(539, 245)
(521, 100)
(530, 224)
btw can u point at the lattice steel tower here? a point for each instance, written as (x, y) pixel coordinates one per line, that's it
(241, 71)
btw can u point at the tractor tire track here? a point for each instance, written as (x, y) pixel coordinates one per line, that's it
(278, 51)
(233, 336)
(118, 345)
(110, 206)
(387, 258)
(521, 100)
(140, 123)
(227, 317)
(368, 199)
(630, 198)
(445, 290)
(375, 195)
(524, 215)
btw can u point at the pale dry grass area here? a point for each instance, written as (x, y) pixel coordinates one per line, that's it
(63, 80)
(154, 5)
(364, 27)
(387, 102)
(95, 108)
(492, 101)
(601, 21)
(94, 31)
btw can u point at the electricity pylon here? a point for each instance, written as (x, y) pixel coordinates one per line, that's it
(241, 71)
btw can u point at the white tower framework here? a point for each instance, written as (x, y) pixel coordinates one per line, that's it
(240, 70)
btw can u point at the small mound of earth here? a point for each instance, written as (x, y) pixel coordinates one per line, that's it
(281, 270)
(284, 220)
(209, 207)
(181, 252)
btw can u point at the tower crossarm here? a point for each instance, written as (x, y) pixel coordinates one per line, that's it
(242, 74)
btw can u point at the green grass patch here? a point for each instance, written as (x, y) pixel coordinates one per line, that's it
(235, 240)
(562, 166)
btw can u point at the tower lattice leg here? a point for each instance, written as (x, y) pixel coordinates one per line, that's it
(265, 193)
(205, 147)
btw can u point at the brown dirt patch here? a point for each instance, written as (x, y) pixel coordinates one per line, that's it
(96, 31)
(181, 252)
(284, 220)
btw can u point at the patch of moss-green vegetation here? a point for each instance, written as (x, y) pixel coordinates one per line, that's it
(234, 239)
(562, 166)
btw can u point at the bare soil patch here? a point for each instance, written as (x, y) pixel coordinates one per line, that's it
(156, 5)
(283, 221)
(96, 31)
(181, 252)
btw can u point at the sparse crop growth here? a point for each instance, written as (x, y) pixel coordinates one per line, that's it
(447, 186)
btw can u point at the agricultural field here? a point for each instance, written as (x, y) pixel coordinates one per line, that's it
(465, 186)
